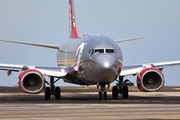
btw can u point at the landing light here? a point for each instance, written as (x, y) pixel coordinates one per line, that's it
(106, 65)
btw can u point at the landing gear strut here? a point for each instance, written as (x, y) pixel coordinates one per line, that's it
(56, 91)
(122, 88)
(102, 92)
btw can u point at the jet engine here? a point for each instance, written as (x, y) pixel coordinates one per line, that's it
(150, 79)
(31, 81)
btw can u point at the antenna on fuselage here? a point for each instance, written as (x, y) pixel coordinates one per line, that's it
(85, 34)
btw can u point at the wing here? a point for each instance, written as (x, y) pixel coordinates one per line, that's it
(48, 71)
(135, 69)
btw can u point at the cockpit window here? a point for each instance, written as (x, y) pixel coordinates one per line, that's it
(116, 51)
(110, 51)
(98, 51)
(102, 51)
(91, 51)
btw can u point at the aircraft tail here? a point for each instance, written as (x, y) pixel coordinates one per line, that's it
(72, 22)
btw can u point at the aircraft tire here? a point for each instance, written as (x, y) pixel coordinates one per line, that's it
(47, 93)
(100, 96)
(125, 92)
(57, 93)
(105, 95)
(115, 92)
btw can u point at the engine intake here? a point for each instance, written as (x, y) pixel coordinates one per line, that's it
(150, 79)
(31, 81)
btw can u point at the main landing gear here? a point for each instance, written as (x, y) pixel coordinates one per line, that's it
(102, 92)
(122, 88)
(52, 90)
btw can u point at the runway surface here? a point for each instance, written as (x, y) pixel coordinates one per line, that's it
(81, 103)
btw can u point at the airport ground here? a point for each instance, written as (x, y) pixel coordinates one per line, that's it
(82, 103)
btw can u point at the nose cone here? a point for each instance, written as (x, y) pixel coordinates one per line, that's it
(106, 68)
(105, 61)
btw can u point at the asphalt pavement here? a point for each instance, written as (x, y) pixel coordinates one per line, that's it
(82, 103)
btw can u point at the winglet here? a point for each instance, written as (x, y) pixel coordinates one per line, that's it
(72, 22)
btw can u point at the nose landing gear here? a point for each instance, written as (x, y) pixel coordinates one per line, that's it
(102, 92)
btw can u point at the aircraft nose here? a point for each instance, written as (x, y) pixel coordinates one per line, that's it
(105, 61)
(106, 68)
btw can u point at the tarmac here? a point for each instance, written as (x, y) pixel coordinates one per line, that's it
(81, 103)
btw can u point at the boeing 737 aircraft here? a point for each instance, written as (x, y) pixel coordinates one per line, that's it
(91, 60)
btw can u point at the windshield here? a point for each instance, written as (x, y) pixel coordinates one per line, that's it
(101, 51)
(109, 50)
(98, 51)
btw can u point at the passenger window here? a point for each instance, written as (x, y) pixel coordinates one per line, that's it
(98, 51)
(110, 51)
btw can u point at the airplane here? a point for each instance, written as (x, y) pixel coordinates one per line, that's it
(90, 60)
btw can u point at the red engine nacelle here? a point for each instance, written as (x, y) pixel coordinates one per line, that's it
(150, 79)
(31, 81)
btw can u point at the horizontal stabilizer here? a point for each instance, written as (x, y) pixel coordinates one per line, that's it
(120, 41)
(35, 44)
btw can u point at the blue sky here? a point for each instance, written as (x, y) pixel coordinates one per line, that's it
(45, 21)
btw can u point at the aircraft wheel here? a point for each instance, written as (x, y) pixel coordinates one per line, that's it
(47, 93)
(125, 92)
(100, 96)
(115, 92)
(57, 93)
(105, 95)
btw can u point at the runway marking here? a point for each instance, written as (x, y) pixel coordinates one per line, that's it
(139, 101)
(67, 96)
(176, 88)
(129, 101)
(145, 119)
(90, 114)
(169, 118)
